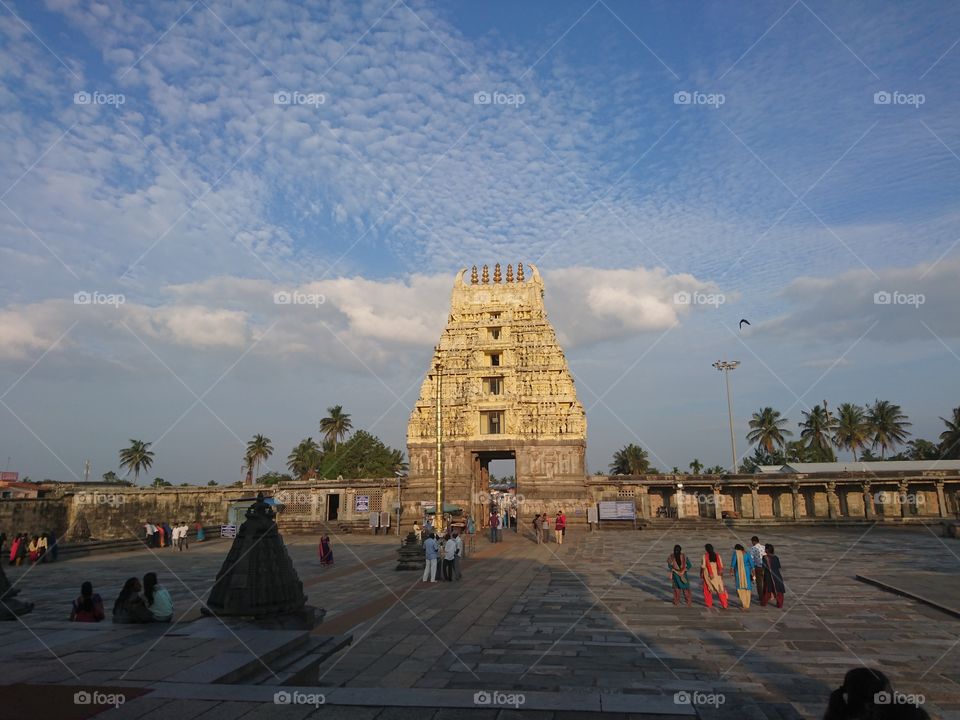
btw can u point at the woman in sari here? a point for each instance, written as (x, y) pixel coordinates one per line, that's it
(15, 549)
(772, 578)
(34, 550)
(711, 570)
(326, 554)
(679, 563)
(741, 567)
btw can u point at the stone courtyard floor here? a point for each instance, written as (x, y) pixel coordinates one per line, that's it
(586, 626)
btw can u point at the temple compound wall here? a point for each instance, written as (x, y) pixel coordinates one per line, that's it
(505, 392)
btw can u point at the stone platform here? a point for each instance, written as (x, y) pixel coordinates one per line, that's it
(583, 629)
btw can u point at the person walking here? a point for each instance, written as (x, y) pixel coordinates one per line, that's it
(326, 554)
(471, 535)
(741, 567)
(15, 549)
(756, 555)
(459, 555)
(679, 564)
(42, 548)
(538, 529)
(561, 526)
(431, 553)
(711, 570)
(23, 549)
(773, 585)
(449, 555)
(545, 527)
(418, 532)
(494, 525)
(201, 533)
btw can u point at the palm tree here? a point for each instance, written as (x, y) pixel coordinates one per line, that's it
(767, 429)
(336, 425)
(696, 466)
(304, 458)
(258, 449)
(137, 457)
(397, 462)
(816, 430)
(630, 460)
(851, 431)
(950, 438)
(888, 425)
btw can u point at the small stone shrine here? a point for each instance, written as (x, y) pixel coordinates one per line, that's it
(257, 579)
(411, 554)
(10, 607)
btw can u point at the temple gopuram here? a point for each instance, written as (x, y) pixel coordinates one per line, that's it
(505, 392)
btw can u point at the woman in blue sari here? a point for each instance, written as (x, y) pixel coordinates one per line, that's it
(679, 564)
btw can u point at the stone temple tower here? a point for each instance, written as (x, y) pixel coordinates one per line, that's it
(505, 393)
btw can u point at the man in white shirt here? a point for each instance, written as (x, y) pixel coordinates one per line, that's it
(449, 555)
(757, 551)
(459, 554)
(431, 551)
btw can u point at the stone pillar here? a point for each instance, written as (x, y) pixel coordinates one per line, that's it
(902, 494)
(643, 502)
(678, 495)
(755, 495)
(795, 490)
(869, 510)
(833, 502)
(941, 499)
(717, 505)
(314, 503)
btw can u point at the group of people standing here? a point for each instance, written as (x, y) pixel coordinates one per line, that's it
(38, 548)
(541, 527)
(759, 567)
(442, 556)
(137, 602)
(158, 535)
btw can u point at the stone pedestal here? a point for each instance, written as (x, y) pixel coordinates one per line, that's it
(411, 554)
(257, 579)
(10, 607)
(755, 499)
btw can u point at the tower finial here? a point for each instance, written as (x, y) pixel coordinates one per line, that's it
(519, 272)
(509, 273)
(473, 276)
(496, 273)
(486, 275)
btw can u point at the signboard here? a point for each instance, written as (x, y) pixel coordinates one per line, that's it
(617, 510)
(9, 476)
(228, 531)
(362, 504)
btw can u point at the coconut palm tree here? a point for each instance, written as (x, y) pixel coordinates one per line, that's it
(258, 449)
(336, 425)
(304, 458)
(950, 438)
(768, 429)
(816, 429)
(137, 457)
(888, 426)
(696, 466)
(630, 460)
(851, 431)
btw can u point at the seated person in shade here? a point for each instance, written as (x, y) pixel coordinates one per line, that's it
(130, 607)
(157, 598)
(88, 607)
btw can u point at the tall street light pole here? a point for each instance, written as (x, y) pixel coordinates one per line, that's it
(438, 513)
(725, 367)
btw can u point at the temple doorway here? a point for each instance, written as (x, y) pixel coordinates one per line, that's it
(494, 485)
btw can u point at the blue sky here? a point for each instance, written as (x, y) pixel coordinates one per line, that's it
(188, 186)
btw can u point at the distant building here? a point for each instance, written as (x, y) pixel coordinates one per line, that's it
(18, 490)
(887, 466)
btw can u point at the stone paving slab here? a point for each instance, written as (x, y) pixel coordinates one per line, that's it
(936, 589)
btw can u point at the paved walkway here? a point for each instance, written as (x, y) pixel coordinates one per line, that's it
(589, 622)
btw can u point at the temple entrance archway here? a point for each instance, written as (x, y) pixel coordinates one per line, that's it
(482, 496)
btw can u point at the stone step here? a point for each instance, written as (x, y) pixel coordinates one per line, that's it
(300, 666)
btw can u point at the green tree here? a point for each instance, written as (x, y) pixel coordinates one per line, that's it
(336, 426)
(362, 456)
(851, 431)
(259, 449)
(921, 449)
(950, 438)
(137, 457)
(868, 456)
(888, 426)
(630, 460)
(110, 476)
(767, 429)
(304, 458)
(817, 430)
(696, 466)
(161, 483)
(212, 483)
